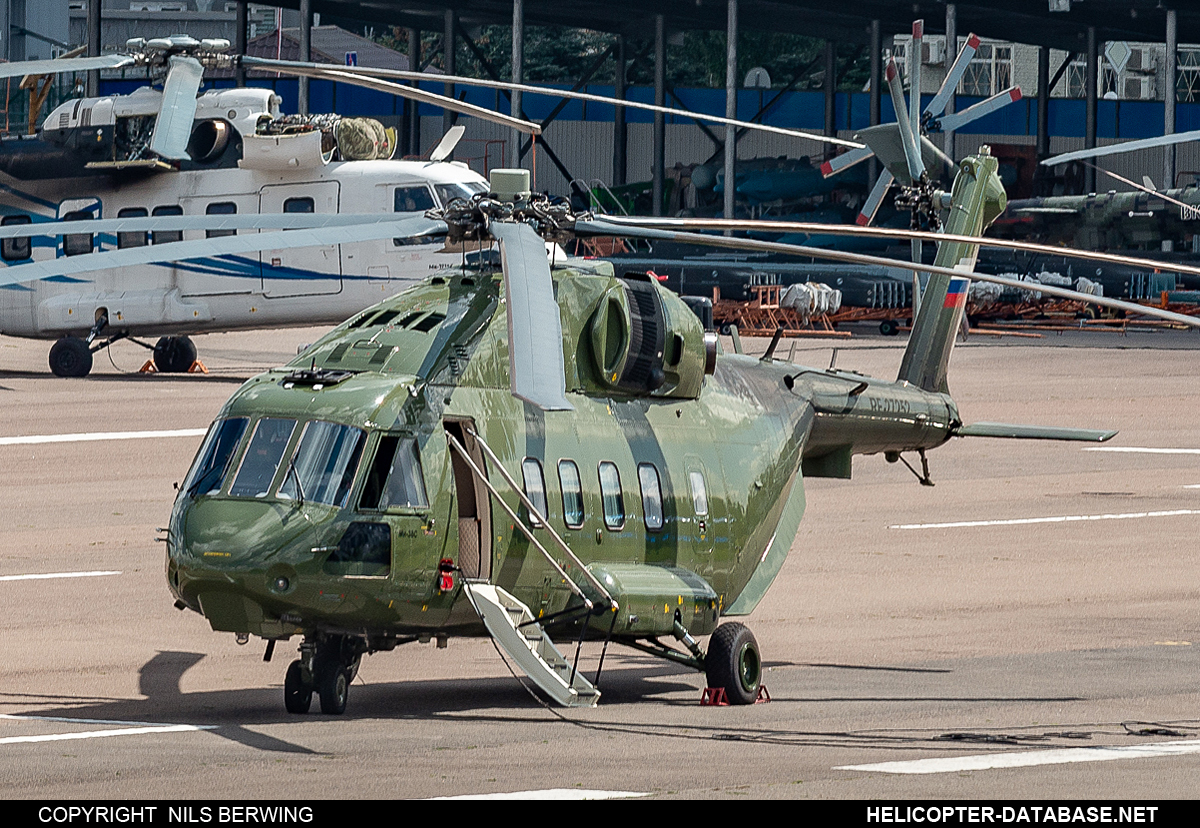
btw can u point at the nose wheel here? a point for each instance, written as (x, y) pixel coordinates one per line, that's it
(326, 668)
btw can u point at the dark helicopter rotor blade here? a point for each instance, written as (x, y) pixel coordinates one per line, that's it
(535, 351)
(222, 246)
(173, 127)
(364, 72)
(57, 66)
(328, 72)
(601, 228)
(899, 235)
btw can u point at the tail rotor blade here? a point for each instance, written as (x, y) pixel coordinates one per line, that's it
(174, 125)
(984, 107)
(871, 206)
(912, 157)
(845, 161)
(938, 104)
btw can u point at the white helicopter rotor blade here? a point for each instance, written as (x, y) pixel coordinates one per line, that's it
(173, 128)
(60, 65)
(222, 246)
(912, 157)
(602, 228)
(845, 161)
(965, 55)
(1126, 146)
(871, 206)
(535, 351)
(952, 123)
(449, 141)
(246, 221)
(295, 67)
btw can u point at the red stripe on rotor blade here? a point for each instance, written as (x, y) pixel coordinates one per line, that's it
(918, 28)
(862, 219)
(826, 169)
(1016, 94)
(973, 40)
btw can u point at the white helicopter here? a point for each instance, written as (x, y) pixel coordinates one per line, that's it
(158, 167)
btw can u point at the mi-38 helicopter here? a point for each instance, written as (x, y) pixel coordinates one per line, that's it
(156, 167)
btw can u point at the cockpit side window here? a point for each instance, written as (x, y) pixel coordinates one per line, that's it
(395, 477)
(413, 199)
(208, 472)
(262, 457)
(322, 469)
(463, 189)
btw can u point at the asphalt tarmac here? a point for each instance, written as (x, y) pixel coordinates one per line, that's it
(1000, 658)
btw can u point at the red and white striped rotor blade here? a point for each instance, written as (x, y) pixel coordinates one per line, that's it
(845, 161)
(965, 55)
(984, 107)
(871, 206)
(912, 155)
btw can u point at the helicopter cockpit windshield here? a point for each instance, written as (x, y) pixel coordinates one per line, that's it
(323, 467)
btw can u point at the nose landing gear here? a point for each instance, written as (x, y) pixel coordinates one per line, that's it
(326, 666)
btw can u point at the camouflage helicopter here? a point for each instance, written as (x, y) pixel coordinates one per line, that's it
(528, 444)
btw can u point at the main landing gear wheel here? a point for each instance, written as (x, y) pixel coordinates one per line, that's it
(70, 357)
(733, 662)
(889, 327)
(297, 695)
(174, 354)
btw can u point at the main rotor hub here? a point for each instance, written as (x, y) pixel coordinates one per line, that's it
(551, 217)
(923, 201)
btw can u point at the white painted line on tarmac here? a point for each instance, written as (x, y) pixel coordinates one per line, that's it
(1032, 758)
(1143, 450)
(1056, 519)
(100, 435)
(559, 794)
(44, 575)
(129, 729)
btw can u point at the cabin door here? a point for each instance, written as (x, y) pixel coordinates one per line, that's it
(300, 271)
(472, 504)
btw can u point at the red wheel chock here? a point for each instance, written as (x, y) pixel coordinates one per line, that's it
(715, 697)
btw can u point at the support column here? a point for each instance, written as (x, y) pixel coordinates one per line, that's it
(241, 35)
(620, 137)
(93, 46)
(412, 137)
(660, 99)
(1040, 173)
(951, 54)
(829, 87)
(876, 49)
(731, 90)
(448, 61)
(1089, 135)
(305, 53)
(1169, 97)
(518, 72)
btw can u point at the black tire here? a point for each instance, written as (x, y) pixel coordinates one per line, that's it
(70, 357)
(333, 686)
(174, 354)
(733, 662)
(888, 327)
(297, 696)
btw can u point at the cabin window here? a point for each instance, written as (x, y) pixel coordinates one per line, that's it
(208, 472)
(166, 236)
(535, 487)
(132, 239)
(19, 248)
(221, 208)
(323, 467)
(261, 460)
(652, 502)
(395, 477)
(298, 205)
(77, 244)
(572, 493)
(413, 200)
(699, 493)
(365, 550)
(610, 496)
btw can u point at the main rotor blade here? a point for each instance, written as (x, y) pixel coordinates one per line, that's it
(223, 246)
(59, 65)
(537, 372)
(215, 221)
(965, 55)
(328, 72)
(294, 66)
(1150, 190)
(845, 161)
(912, 157)
(816, 228)
(1126, 146)
(871, 206)
(601, 228)
(173, 128)
(952, 123)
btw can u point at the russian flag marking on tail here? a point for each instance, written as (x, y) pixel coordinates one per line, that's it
(956, 294)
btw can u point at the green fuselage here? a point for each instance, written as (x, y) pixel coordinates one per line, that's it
(309, 543)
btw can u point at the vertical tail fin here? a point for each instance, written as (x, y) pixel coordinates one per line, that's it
(977, 199)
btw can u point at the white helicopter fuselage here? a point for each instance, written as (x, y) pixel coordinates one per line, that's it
(273, 288)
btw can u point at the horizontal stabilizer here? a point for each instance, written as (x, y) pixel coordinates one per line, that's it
(1028, 432)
